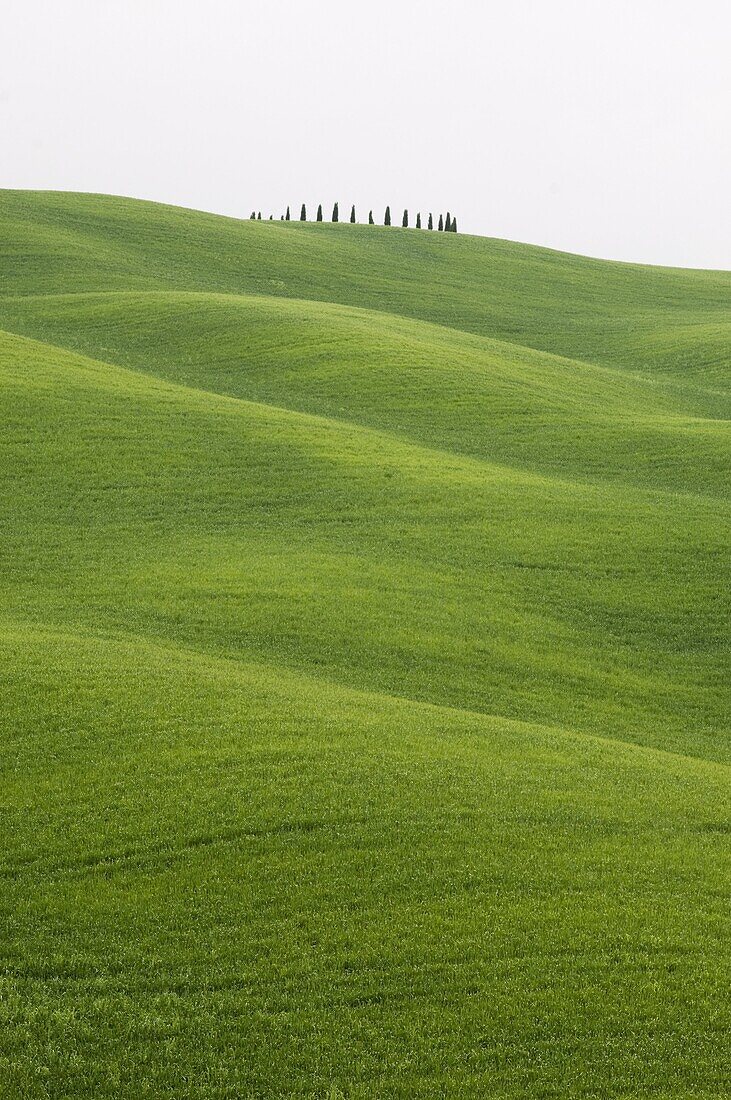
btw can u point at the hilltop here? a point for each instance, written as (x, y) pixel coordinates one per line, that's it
(365, 661)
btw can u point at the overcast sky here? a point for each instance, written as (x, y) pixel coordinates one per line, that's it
(596, 126)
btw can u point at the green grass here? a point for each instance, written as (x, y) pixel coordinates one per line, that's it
(364, 663)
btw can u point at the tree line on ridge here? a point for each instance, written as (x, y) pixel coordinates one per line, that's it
(446, 224)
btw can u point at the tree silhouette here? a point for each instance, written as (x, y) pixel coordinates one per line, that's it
(286, 216)
(454, 225)
(448, 223)
(405, 220)
(303, 213)
(431, 222)
(387, 217)
(259, 216)
(336, 215)
(418, 220)
(319, 213)
(441, 223)
(370, 218)
(352, 214)
(253, 215)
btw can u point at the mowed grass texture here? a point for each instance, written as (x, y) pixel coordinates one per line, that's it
(364, 678)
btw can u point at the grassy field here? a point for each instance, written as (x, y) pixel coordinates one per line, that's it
(364, 663)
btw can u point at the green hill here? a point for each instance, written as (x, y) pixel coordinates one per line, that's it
(365, 651)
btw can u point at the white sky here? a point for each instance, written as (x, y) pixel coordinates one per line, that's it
(596, 126)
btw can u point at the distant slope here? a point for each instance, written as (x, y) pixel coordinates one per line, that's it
(476, 396)
(364, 637)
(626, 315)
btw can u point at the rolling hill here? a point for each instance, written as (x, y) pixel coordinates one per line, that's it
(365, 663)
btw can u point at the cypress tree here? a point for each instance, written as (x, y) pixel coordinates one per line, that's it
(370, 218)
(303, 213)
(271, 217)
(441, 223)
(448, 223)
(418, 220)
(319, 213)
(336, 215)
(253, 215)
(259, 216)
(352, 214)
(405, 220)
(431, 222)
(454, 225)
(286, 216)
(387, 217)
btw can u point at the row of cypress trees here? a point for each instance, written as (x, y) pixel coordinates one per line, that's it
(446, 224)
